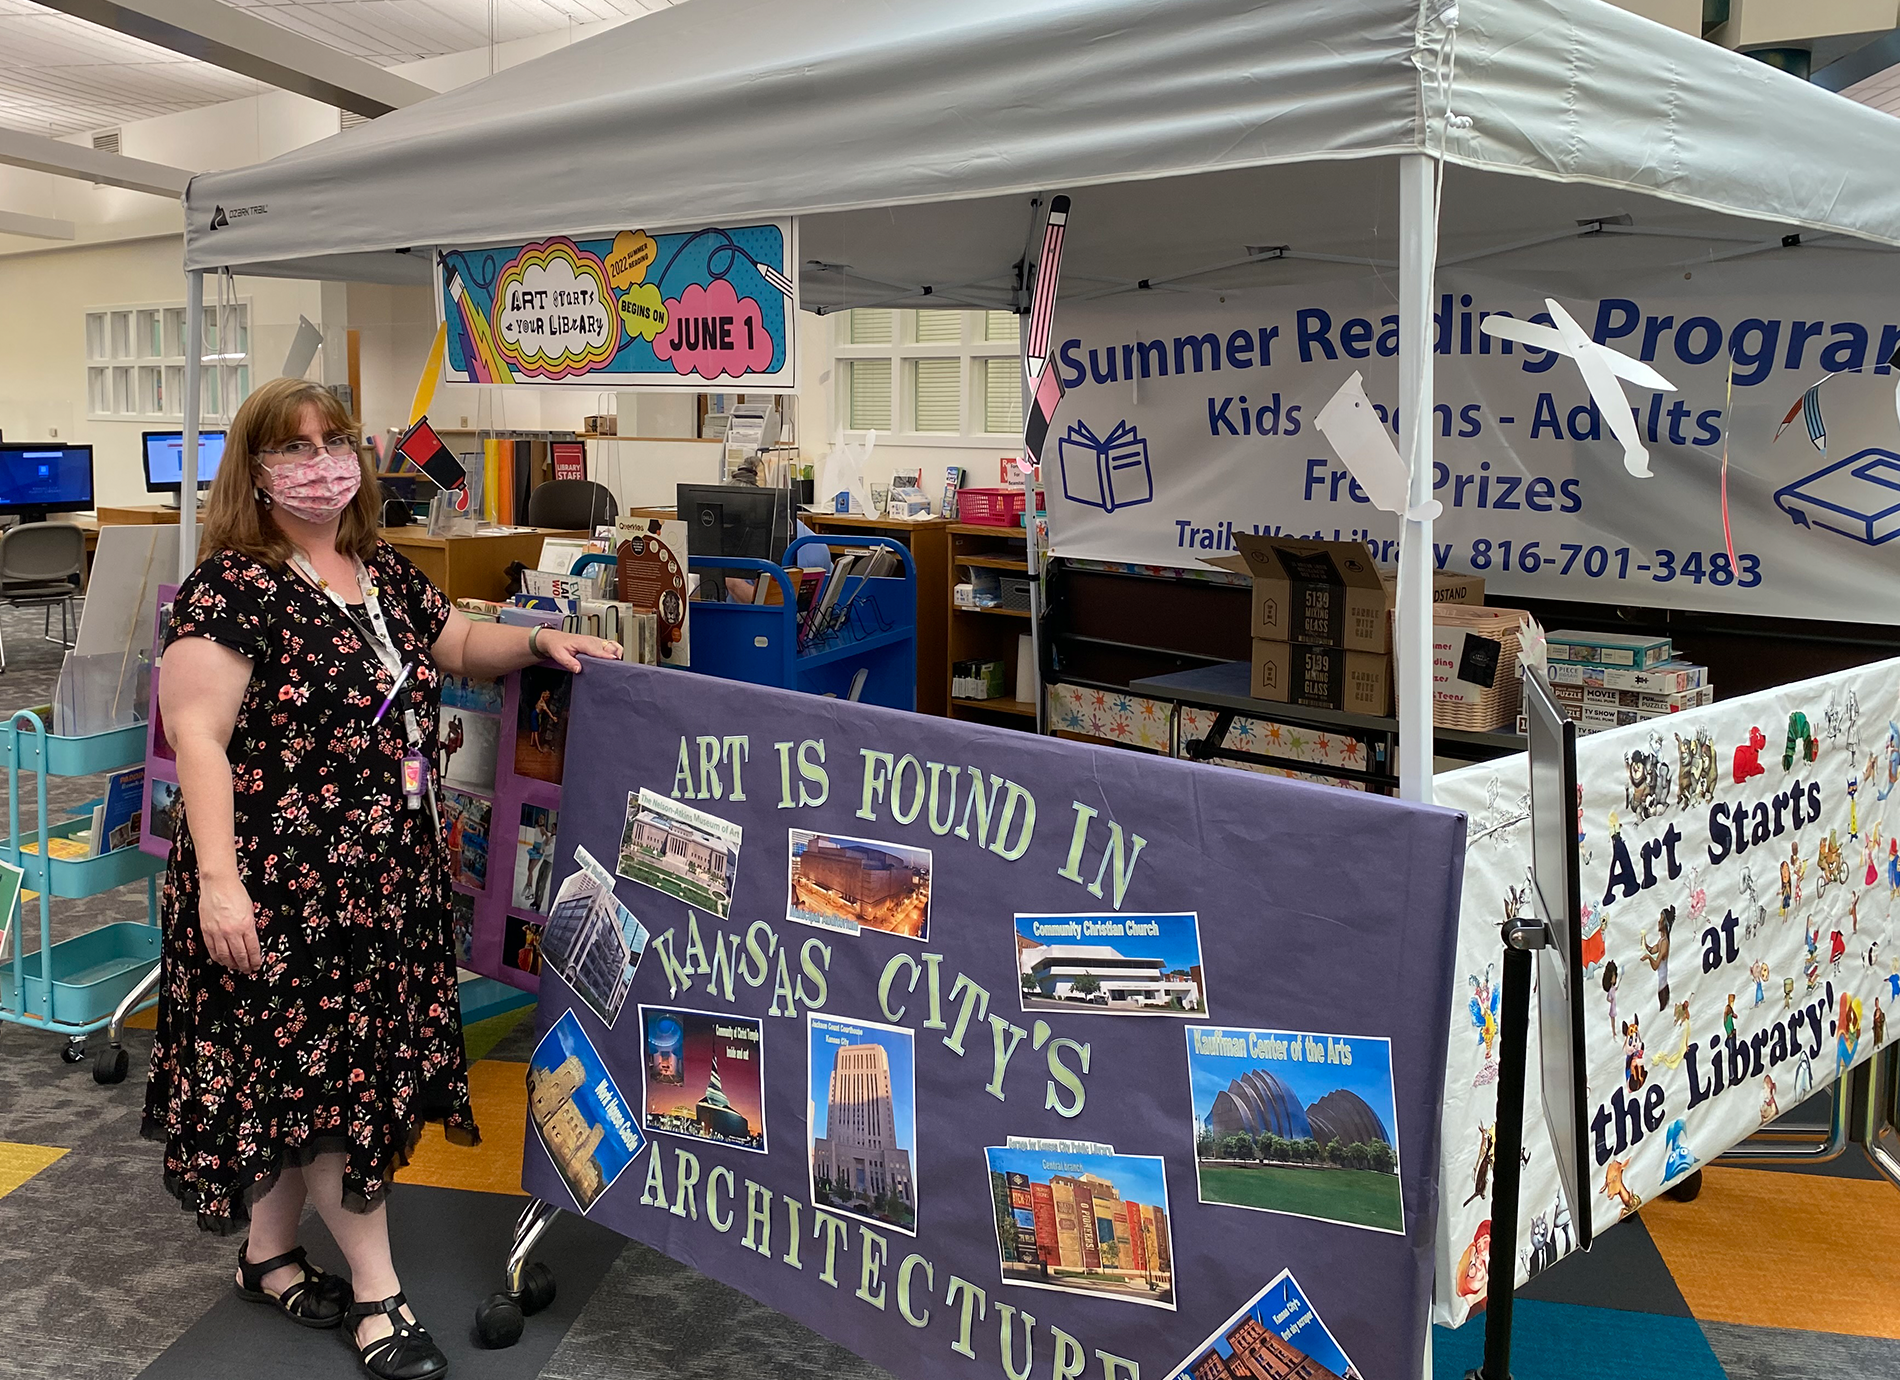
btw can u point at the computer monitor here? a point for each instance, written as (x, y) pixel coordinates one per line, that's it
(45, 477)
(164, 453)
(735, 520)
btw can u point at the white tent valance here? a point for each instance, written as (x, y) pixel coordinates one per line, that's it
(907, 134)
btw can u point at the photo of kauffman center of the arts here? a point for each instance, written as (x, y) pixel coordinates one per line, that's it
(1264, 1109)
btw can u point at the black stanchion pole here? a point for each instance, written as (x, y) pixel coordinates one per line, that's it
(1513, 1061)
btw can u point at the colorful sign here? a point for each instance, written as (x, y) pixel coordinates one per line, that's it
(1740, 948)
(994, 1055)
(691, 309)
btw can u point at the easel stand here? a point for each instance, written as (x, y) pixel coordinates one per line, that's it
(1521, 937)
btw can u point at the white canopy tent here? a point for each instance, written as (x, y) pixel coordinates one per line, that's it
(1203, 142)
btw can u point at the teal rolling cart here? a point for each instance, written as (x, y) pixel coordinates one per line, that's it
(80, 984)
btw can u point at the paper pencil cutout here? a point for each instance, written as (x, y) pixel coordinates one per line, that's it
(1808, 408)
(484, 360)
(421, 447)
(1045, 381)
(1600, 366)
(1365, 447)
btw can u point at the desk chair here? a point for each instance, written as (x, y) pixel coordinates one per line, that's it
(572, 505)
(42, 563)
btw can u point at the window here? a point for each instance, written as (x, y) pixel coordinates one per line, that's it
(135, 362)
(929, 372)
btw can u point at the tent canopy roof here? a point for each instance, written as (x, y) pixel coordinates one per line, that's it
(910, 136)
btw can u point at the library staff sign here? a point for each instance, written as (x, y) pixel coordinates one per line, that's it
(684, 310)
(985, 1054)
(1189, 417)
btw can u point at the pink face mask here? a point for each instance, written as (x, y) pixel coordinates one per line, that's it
(316, 489)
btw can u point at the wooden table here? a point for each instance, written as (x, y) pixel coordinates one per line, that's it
(472, 567)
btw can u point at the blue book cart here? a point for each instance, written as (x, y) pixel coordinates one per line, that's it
(871, 628)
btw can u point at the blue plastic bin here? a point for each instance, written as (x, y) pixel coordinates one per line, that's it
(93, 972)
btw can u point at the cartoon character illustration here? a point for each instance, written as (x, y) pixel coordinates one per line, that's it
(1673, 1059)
(1696, 769)
(1871, 954)
(1893, 760)
(1799, 734)
(1728, 1017)
(1787, 994)
(1616, 826)
(1893, 867)
(1698, 894)
(1853, 910)
(1483, 1007)
(1770, 1109)
(1487, 1155)
(1543, 1252)
(1787, 889)
(1616, 1190)
(1870, 854)
(1680, 1159)
(1812, 968)
(1596, 933)
(1880, 1025)
(1853, 805)
(1474, 1266)
(1893, 983)
(1657, 955)
(1836, 950)
(1749, 889)
(1646, 792)
(1758, 970)
(1829, 865)
(1798, 865)
(1611, 981)
(1635, 1061)
(1803, 1078)
(1847, 1029)
(1748, 757)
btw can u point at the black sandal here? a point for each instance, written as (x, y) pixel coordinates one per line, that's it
(408, 1353)
(318, 1299)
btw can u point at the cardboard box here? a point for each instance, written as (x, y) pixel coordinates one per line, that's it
(1322, 677)
(1321, 593)
(1636, 650)
(1448, 587)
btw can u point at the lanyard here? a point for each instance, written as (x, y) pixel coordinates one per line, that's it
(415, 769)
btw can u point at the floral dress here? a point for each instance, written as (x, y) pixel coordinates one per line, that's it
(349, 1035)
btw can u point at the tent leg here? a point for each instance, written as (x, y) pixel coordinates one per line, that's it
(194, 374)
(1418, 254)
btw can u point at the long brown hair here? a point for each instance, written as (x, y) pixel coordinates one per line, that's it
(238, 516)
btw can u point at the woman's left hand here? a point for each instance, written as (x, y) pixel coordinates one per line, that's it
(565, 649)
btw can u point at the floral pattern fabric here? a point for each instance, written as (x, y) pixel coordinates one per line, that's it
(349, 1035)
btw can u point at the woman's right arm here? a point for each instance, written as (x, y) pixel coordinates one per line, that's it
(199, 695)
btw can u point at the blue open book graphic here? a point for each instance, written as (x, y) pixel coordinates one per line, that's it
(1106, 472)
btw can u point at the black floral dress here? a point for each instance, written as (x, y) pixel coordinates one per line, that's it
(349, 1036)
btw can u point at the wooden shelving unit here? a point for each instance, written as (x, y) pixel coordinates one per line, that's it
(987, 634)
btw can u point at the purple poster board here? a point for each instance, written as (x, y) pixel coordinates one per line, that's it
(1064, 1073)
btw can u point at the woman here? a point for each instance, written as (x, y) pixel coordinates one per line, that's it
(308, 1021)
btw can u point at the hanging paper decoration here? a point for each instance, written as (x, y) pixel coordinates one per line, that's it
(1045, 380)
(1808, 408)
(1600, 366)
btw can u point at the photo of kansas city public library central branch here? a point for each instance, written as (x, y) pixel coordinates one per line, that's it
(860, 373)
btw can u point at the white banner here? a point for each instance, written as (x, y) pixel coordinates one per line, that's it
(1190, 415)
(1740, 870)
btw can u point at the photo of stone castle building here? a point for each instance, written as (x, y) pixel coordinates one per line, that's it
(570, 1137)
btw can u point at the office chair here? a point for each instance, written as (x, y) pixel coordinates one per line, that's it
(42, 563)
(572, 505)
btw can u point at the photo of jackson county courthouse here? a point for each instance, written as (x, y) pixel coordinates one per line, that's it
(858, 1156)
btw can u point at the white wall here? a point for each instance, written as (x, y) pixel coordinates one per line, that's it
(43, 359)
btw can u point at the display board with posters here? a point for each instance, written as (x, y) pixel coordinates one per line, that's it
(677, 310)
(962, 1045)
(1190, 415)
(1740, 866)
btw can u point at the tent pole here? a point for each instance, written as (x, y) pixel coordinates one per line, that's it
(1418, 253)
(194, 372)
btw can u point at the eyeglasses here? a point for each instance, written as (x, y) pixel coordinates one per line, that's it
(338, 446)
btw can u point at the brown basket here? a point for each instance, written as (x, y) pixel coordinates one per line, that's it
(1495, 708)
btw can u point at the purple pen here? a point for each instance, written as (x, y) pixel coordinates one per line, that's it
(401, 676)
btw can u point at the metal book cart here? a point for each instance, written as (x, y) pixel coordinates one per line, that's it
(94, 980)
(864, 648)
